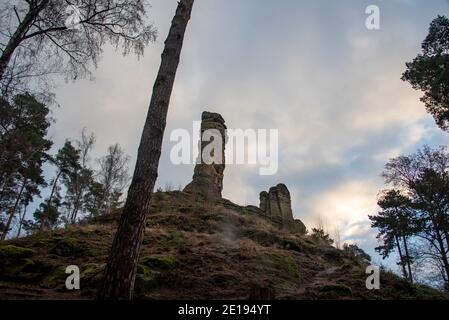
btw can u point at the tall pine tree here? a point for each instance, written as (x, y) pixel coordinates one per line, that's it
(123, 259)
(23, 150)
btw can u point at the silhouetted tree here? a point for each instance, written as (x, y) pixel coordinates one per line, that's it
(429, 71)
(396, 223)
(431, 199)
(46, 215)
(22, 220)
(122, 263)
(357, 253)
(94, 199)
(67, 163)
(23, 150)
(112, 176)
(320, 235)
(78, 180)
(424, 177)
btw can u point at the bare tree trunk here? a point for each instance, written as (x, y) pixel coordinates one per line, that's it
(13, 212)
(21, 221)
(72, 219)
(407, 256)
(446, 235)
(404, 271)
(443, 253)
(121, 268)
(50, 198)
(76, 207)
(19, 35)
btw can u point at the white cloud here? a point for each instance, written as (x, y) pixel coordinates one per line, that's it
(344, 206)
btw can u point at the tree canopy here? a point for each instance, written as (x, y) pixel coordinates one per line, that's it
(42, 37)
(429, 71)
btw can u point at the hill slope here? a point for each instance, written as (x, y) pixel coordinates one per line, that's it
(196, 251)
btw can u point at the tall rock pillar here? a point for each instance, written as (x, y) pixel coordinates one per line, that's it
(208, 177)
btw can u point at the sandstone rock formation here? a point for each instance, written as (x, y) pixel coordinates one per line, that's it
(208, 178)
(264, 204)
(276, 203)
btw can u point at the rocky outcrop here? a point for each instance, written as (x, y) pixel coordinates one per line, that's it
(264, 203)
(208, 177)
(276, 203)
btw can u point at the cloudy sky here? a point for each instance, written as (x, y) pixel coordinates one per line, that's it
(308, 68)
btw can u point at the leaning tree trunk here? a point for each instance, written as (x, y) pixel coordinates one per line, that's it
(401, 257)
(443, 253)
(46, 214)
(22, 219)
(407, 254)
(121, 268)
(13, 212)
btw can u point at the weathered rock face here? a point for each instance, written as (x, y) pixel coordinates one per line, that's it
(208, 178)
(276, 203)
(284, 201)
(264, 201)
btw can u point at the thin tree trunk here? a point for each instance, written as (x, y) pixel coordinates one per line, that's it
(72, 219)
(19, 35)
(408, 259)
(121, 268)
(13, 211)
(404, 271)
(443, 253)
(72, 215)
(47, 211)
(446, 235)
(21, 221)
(76, 207)
(438, 230)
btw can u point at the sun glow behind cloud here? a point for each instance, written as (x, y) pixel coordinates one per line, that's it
(345, 208)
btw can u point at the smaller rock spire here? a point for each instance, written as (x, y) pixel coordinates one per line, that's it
(276, 203)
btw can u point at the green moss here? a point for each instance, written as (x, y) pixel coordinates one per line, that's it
(14, 261)
(92, 274)
(18, 270)
(176, 239)
(338, 290)
(145, 272)
(283, 263)
(94, 250)
(159, 262)
(146, 280)
(56, 278)
(66, 247)
(14, 252)
(42, 242)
